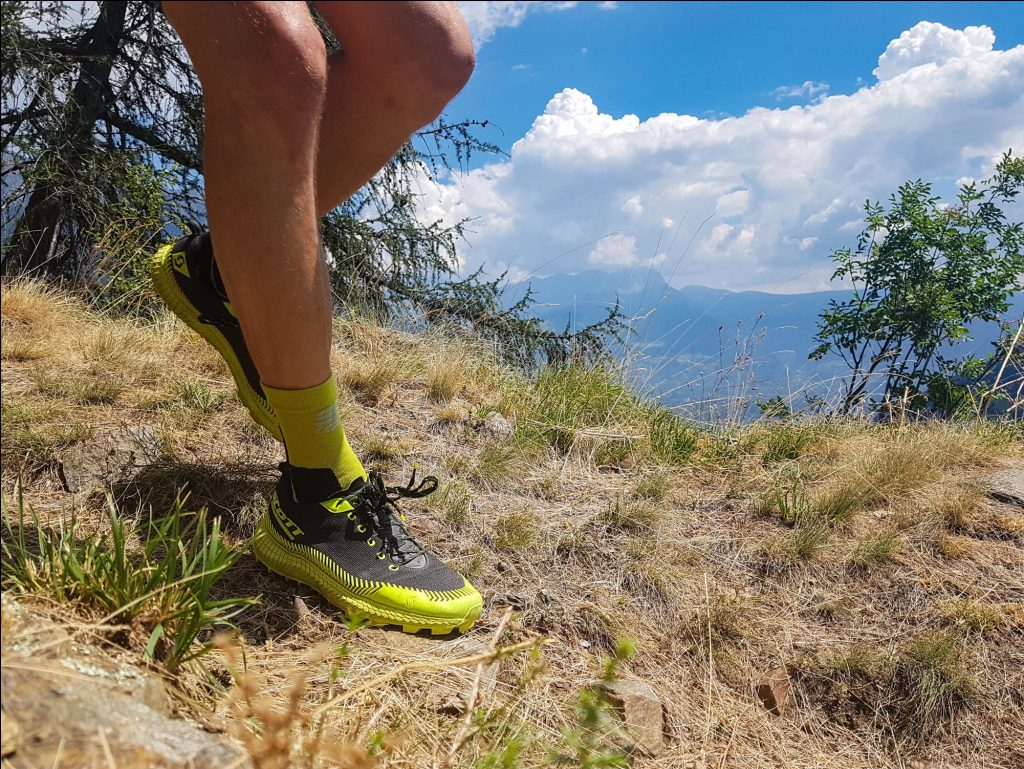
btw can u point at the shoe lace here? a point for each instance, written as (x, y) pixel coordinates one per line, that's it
(376, 503)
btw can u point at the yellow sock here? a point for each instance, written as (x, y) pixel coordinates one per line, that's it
(313, 435)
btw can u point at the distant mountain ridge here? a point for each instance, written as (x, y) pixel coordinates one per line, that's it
(683, 338)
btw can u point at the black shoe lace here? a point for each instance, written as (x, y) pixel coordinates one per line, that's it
(377, 504)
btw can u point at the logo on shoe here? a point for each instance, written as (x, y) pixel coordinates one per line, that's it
(289, 526)
(178, 263)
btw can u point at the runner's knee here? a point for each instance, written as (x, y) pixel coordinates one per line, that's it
(288, 74)
(267, 58)
(443, 60)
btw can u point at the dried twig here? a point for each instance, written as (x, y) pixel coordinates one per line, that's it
(485, 657)
(466, 728)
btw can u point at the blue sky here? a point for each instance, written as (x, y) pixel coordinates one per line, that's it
(725, 145)
(701, 59)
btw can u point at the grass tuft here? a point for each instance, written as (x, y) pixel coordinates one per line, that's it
(443, 384)
(876, 549)
(78, 388)
(453, 501)
(653, 486)
(515, 531)
(156, 576)
(934, 680)
(196, 395)
(975, 616)
(370, 380)
(633, 516)
(673, 440)
(569, 399)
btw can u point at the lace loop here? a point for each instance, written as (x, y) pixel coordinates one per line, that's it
(375, 504)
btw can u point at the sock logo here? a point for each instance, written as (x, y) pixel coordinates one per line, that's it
(178, 263)
(327, 419)
(289, 526)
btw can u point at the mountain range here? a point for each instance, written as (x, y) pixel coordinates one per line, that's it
(707, 346)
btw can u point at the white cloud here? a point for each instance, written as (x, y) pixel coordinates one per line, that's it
(783, 187)
(930, 43)
(732, 203)
(808, 89)
(633, 206)
(486, 18)
(608, 5)
(616, 250)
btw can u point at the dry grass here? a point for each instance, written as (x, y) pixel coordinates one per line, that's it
(443, 384)
(370, 380)
(887, 585)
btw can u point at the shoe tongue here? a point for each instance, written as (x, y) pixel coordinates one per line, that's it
(355, 486)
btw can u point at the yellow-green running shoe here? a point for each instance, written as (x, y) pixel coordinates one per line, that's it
(186, 278)
(354, 549)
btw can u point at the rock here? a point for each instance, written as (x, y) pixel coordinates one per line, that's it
(514, 600)
(301, 610)
(110, 457)
(135, 683)
(65, 718)
(642, 713)
(774, 691)
(68, 702)
(497, 427)
(1007, 486)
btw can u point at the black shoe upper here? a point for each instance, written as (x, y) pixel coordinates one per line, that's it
(366, 537)
(196, 274)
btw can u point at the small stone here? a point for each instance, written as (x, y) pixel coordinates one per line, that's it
(1007, 486)
(514, 600)
(880, 514)
(584, 643)
(642, 713)
(110, 457)
(301, 610)
(496, 427)
(774, 691)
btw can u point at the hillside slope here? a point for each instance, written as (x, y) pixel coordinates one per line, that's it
(831, 594)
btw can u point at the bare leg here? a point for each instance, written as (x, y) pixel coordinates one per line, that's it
(402, 62)
(263, 68)
(289, 139)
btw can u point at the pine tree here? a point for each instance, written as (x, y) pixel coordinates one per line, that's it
(101, 141)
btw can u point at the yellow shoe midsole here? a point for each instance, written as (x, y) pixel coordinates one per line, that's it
(382, 603)
(168, 290)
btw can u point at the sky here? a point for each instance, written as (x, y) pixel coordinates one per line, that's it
(729, 145)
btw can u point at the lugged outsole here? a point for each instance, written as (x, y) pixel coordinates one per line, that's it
(168, 290)
(293, 566)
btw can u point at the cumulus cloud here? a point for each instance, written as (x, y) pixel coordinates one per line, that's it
(616, 250)
(935, 44)
(808, 89)
(754, 201)
(486, 18)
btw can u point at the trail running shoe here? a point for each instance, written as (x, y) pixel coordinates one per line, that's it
(354, 549)
(186, 278)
